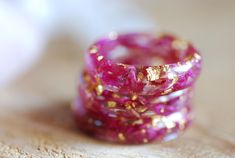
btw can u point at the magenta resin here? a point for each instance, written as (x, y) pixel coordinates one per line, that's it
(127, 96)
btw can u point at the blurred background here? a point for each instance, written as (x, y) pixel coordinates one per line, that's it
(41, 53)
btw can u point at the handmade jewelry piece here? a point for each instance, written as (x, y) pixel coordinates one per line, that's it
(127, 96)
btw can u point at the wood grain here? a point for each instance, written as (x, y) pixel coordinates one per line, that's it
(35, 116)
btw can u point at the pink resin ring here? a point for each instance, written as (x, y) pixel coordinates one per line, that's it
(122, 129)
(127, 64)
(132, 106)
(126, 96)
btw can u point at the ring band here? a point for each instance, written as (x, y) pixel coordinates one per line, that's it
(183, 64)
(125, 97)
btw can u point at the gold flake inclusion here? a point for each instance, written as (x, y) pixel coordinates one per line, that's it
(121, 64)
(115, 95)
(140, 76)
(99, 89)
(111, 104)
(174, 78)
(121, 137)
(87, 78)
(156, 120)
(93, 49)
(166, 68)
(167, 91)
(134, 97)
(138, 122)
(153, 73)
(128, 106)
(180, 44)
(141, 109)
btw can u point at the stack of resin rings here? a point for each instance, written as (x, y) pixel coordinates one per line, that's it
(137, 88)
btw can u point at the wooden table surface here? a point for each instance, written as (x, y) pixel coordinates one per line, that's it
(35, 116)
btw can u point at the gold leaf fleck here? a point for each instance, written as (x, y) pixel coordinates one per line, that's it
(138, 122)
(153, 73)
(121, 64)
(140, 76)
(134, 97)
(121, 137)
(167, 91)
(156, 120)
(166, 68)
(141, 109)
(99, 89)
(128, 106)
(180, 44)
(115, 95)
(93, 49)
(111, 104)
(86, 77)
